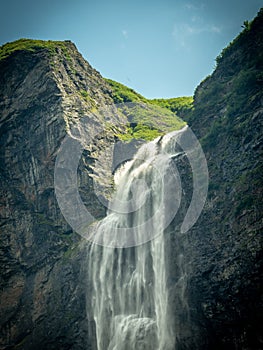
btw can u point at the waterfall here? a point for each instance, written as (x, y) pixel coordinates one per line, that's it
(127, 269)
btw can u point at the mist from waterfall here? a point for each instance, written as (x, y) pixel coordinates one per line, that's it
(127, 271)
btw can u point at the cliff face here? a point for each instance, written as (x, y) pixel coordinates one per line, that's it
(45, 91)
(223, 251)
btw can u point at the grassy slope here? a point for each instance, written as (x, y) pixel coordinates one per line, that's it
(149, 118)
(182, 106)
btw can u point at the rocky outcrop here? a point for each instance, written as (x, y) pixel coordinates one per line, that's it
(222, 253)
(44, 93)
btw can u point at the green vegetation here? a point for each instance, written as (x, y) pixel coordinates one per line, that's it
(33, 46)
(182, 106)
(248, 189)
(245, 35)
(210, 140)
(148, 118)
(140, 131)
(87, 98)
(247, 25)
(121, 93)
(148, 121)
(179, 105)
(84, 94)
(247, 83)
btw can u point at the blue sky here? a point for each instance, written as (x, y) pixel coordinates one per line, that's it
(160, 48)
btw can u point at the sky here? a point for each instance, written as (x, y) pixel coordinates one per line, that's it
(160, 48)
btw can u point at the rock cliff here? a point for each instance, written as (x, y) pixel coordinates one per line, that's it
(223, 252)
(46, 89)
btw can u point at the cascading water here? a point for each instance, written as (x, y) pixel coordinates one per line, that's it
(127, 268)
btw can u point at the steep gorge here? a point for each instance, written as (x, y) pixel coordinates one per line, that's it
(214, 271)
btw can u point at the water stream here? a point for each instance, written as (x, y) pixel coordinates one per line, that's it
(128, 268)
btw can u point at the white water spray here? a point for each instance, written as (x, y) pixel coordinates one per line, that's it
(130, 297)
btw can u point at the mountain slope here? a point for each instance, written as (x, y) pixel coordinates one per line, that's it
(149, 118)
(44, 93)
(214, 270)
(225, 256)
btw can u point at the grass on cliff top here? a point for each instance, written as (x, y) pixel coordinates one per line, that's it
(178, 105)
(148, 121)
(32, 46)
(123, 94)
(148, 118)
(182, 106)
